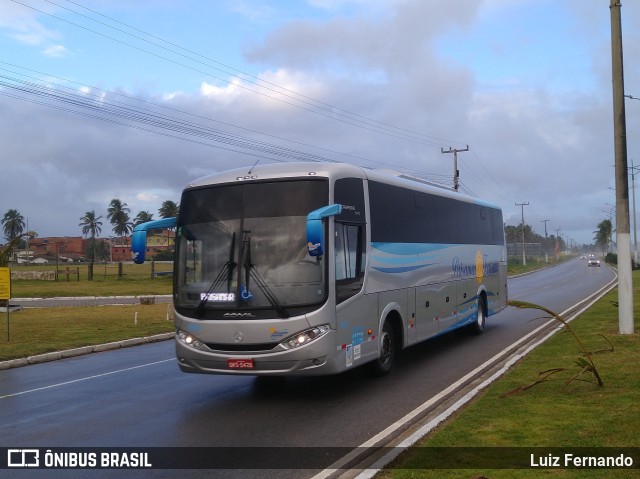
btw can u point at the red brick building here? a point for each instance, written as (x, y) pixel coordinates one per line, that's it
(66, 249)
(60, 248)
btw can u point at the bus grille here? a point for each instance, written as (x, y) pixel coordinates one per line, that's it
(241, 347)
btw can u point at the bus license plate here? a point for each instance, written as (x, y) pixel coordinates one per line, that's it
(240, 363)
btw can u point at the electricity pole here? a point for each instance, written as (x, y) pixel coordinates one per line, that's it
(524, 256)
(635, 226)
(625, 286)
(456, 172)
(546, 247)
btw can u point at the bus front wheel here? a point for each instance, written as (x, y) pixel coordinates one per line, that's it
(387, 353)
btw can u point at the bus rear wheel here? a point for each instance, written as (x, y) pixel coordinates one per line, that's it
(477, 327)
(387, 353)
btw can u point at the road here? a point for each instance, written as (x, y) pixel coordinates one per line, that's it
(137, 398)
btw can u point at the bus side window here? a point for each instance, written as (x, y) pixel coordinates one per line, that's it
(350, 259)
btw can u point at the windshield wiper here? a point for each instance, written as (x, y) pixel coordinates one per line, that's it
(225, 271)
(252, 272)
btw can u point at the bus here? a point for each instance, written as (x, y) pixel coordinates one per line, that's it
(317, 268)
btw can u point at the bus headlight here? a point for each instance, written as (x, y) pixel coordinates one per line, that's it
(189, 340)
(305, 337)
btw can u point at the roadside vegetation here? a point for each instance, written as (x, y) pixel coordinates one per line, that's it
(558, 414)
(34, 331)
(136, 280)
(534, 263)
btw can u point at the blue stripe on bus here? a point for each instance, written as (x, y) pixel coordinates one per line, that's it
(401, 269)
(404, 249)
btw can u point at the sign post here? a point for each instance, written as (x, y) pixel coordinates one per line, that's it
(5, 290)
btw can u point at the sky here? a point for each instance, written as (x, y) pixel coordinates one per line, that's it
(104, 99)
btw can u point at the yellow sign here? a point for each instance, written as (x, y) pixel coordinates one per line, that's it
(5, 283)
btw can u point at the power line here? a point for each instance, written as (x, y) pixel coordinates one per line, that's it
(331, 108)
(330, 113)
(101, 107)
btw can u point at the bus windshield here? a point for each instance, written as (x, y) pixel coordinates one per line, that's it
(242, 250)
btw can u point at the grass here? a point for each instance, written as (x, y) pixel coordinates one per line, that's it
(136, 281)
(35, 331)
(516, 267)
(552, 413)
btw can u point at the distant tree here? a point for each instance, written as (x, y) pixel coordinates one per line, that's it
(169, 209)
(100, 250)
(91, 225)
(118, 215)
(602, 236)
(142, 217)
(12, 224)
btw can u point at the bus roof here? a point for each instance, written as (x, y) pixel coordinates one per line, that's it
(332, 170)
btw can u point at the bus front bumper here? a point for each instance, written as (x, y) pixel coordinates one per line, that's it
(313, 358)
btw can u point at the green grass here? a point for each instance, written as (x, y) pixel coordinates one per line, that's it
(515, 266)
(551, 414)
(35, 331)
(135, 281)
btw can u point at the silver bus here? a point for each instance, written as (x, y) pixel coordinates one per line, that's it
(317, 268)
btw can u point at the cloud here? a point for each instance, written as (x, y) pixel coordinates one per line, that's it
(531, 139)
(20, 23)
(55, 51)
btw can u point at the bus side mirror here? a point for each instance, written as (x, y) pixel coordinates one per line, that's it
(315, 233)
(139, 237)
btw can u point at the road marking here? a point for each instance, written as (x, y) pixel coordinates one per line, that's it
(373, 469)
(85, 379)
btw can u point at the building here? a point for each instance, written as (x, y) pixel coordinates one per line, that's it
(61, 249)
(157, 241)
(56, 249)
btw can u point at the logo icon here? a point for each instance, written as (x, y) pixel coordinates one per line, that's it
(23, 458)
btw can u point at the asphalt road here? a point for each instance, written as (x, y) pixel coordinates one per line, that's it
(137, 398)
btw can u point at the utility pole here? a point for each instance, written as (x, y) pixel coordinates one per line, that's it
(558, 244)
(546, 247)
(625, 286)
(456, 172)
(635, 226)
(524, 256)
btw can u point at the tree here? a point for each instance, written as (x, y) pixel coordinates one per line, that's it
(12, 224)
(91, 225)
(602, 236)
(118, 215)
(143, 217)
(169, 209)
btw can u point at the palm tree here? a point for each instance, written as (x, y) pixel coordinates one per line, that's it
(169, 209)
(91, 225)
(13, 224)
(602, 236)
(118, 215)
(143, 217)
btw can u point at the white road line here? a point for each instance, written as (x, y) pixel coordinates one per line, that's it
(85, 379)
(424, 430)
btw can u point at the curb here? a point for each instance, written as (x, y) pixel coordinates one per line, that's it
(69, 353)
